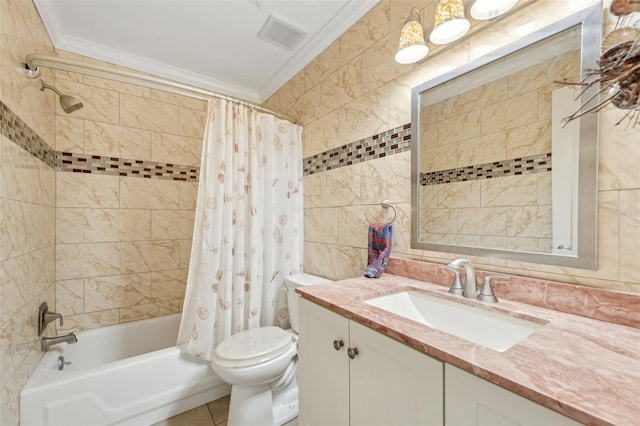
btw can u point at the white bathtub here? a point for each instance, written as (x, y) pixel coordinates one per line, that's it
(125, 374)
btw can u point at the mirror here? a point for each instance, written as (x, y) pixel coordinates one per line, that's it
(495, 170)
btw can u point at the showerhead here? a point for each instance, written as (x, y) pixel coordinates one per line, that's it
(68, 103)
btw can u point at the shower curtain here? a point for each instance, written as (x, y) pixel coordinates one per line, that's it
(248, 226)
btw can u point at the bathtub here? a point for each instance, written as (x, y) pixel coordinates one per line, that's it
(125, 374)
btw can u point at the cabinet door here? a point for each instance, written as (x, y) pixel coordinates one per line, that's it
(470, 400)
(323, 376)
(391, 383)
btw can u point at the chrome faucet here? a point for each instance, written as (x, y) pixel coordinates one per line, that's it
(47, 342)
(470, 290)
(470, 287)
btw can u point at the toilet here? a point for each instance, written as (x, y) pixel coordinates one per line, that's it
(261, 366)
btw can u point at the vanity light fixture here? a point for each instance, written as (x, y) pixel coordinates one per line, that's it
(450, 23)
(483, 10)
(412, 46)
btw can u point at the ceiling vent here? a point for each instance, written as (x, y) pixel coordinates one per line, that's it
(280, 33)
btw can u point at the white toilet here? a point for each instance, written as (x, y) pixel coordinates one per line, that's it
(261, 366)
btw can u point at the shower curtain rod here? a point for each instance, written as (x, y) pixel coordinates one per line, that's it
(158, 83)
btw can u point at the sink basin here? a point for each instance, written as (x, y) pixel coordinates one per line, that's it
(491, 329)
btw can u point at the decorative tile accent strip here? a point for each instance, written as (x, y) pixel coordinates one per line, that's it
(104, 165)
(387, 143)
(516, 166)
(391, 142)
(17, 131)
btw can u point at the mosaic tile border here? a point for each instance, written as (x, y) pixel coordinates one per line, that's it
(387, 143)
(19, 132)
(106, 165)
(513, 167)
(394, 141)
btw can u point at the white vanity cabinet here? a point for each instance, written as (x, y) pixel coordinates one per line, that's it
(385, 383)
(323, 371)
(470, 400)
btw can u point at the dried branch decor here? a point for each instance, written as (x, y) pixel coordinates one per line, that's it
(618, 72)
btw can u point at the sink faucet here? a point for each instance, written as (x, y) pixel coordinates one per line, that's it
(47, 342)
(470, 287)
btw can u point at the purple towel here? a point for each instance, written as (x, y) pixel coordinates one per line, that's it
(379, 249)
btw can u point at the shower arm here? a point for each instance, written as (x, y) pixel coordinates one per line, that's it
(44, 85)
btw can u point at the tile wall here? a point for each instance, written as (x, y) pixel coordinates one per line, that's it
(354, 89)
(96, 207)
(27, 202)
(126, 193)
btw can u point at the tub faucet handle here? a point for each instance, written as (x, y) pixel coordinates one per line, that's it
(45, 316)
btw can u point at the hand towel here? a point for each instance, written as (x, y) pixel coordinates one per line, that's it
(379, 249)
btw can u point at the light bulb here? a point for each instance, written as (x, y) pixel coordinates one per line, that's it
(483, 10)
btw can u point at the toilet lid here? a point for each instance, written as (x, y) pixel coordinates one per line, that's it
(255, 345)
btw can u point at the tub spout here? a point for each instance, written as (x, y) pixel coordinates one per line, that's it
(47, 342)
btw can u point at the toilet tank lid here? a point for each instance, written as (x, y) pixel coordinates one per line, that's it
(299, 280)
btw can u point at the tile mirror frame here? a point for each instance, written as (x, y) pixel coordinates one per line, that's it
(583, 255)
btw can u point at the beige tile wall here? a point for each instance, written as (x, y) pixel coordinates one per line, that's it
(27, 207)
(27, 266)
(374, 94)
(99, 249)
(123, 243)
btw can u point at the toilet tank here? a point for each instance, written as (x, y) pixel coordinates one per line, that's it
(292, 282)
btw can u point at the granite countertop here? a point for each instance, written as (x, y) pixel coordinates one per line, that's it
(584, 368)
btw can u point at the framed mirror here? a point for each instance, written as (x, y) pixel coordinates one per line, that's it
(496, 172)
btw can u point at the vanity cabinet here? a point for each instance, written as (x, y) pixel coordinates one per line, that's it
(350, 374)
(323, 371)
(470, 400)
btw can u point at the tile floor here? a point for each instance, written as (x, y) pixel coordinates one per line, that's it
(211, 414)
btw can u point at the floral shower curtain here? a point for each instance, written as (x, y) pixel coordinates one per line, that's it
(248, 227)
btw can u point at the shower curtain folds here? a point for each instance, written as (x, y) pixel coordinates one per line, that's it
(248, 227)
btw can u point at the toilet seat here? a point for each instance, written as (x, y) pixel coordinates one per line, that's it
(253, 347)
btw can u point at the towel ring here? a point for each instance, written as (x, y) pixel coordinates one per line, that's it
(386, 204)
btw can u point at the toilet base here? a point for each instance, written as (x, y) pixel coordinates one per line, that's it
(285, 404)
(260, 406)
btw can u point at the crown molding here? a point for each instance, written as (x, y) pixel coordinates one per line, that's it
(304, 54)
(138, 63)
(83, 47)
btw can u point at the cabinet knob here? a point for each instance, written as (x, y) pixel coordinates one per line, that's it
(352, 352)
(337, 344)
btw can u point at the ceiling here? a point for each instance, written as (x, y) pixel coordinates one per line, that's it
(211, 44)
